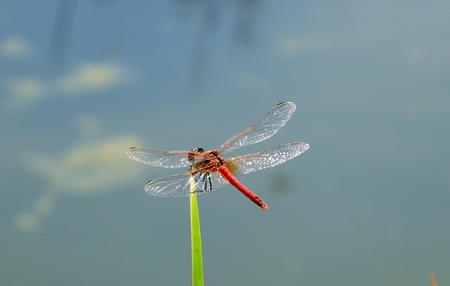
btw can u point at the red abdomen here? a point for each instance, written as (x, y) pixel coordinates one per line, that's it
(249, 194)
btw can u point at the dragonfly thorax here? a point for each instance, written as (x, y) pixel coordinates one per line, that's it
(204, 162)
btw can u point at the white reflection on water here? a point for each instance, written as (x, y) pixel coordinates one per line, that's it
(85, 168)
(14, 47)
(85, 78)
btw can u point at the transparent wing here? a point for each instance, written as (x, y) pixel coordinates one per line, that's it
(177, 186)
(265, 127)
(209, 182)
(268, 158)
(159, 158)
(174, 186)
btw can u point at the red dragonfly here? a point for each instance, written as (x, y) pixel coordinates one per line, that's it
(210, 170)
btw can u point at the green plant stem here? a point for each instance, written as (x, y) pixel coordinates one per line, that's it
(196, 240)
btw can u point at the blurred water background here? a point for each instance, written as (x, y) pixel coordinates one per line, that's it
(81, 81)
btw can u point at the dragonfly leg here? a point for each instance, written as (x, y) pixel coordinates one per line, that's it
(202, 177)
(209, 180)
(205, 179)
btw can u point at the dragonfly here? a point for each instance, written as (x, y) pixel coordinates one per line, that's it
(210, 171)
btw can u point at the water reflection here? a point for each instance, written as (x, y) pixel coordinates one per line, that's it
(64, 23)
(245, 28)
(86, 78)
(62, 31)
(88, 167)
(208, 17)
(281, 184)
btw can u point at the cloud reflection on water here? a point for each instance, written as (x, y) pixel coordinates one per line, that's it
(86, 78)
(85, 168)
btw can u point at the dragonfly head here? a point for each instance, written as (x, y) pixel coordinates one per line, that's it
(193, 154)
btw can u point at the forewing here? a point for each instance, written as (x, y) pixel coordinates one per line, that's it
(177, 186)
(268, 158)
(159, 158)
(265, 127)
